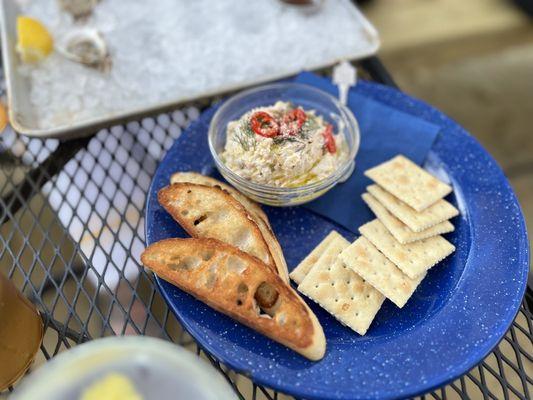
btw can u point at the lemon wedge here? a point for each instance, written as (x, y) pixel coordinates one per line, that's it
(34, 41)
(114, 386)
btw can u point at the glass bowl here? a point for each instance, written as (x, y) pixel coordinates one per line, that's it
(156, 369)
(308, 97)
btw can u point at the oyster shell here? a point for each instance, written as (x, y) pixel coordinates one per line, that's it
(78, 8)
(87, 46)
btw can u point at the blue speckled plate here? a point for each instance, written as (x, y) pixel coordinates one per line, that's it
(457, 315)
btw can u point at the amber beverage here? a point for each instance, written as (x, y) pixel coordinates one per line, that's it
(21, 333)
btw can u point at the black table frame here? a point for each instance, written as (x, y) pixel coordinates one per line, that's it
(21, 217)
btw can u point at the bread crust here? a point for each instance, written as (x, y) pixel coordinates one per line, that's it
(227, 279)
(194, 177)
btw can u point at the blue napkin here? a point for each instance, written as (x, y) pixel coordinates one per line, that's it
(385, 132)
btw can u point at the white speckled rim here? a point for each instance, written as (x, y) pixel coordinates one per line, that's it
(342, 173)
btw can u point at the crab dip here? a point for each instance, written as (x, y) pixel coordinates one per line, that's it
(283, 146)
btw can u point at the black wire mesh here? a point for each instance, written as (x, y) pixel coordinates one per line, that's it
(72, 229)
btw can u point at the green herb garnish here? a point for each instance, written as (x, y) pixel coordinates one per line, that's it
(310, 125)
(245, 136)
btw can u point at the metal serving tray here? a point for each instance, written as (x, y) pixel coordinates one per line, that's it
(24, 120)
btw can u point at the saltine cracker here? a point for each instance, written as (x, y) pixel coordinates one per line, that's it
(363, 258)
(342, 292)
(412, 258)
(416, 221)
(407, 181)
(301, 270)
(398, 229)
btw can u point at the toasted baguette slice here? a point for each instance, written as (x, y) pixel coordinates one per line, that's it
(241, 286)
(253, 209)
(193, 177)
(209, 212)
(275, 250)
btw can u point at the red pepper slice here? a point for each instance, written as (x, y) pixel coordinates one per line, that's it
(293, 121)
(264, 124)
(329, 140)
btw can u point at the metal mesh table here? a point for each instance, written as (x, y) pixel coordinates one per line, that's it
(72, 229)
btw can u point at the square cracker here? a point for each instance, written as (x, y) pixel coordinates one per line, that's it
(363, 258)
(407, 181)
(343, 294)
(416, 221)
(398, 229)
(301, 270)
(412, 258)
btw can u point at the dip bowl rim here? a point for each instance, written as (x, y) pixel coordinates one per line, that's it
(274, 195)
